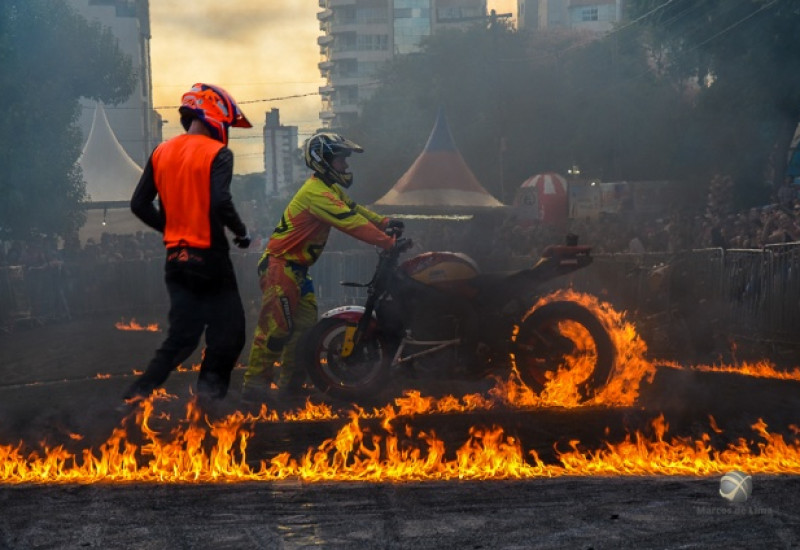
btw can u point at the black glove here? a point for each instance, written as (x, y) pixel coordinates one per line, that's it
(403, 244)
(394, 228)
(242, 242)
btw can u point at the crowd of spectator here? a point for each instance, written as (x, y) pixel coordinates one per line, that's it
(493, 239)
(43, 251)
(720, 225)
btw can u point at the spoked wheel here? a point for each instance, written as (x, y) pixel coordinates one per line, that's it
(564, 336)
(354, 379)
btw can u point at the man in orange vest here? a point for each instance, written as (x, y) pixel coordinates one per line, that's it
(191, 175)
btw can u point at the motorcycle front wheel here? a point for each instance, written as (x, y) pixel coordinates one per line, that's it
(354, 379)
(564, 336)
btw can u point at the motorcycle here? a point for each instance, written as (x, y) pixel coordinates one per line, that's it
(437, 312)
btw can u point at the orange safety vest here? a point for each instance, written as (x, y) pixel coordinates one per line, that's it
(182, 174)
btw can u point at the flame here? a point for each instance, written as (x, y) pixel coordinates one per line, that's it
(133, 325)
(632, 366)
(311, 412)
(151, 445)
(197, 450)
(638, 455)
(195, 367)
(759, 369)
(413, 403)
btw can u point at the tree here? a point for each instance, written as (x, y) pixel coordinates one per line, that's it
(742, 57)
(520, 104)
(50, 56)
(397, 120)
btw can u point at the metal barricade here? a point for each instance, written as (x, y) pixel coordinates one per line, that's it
(745, 288)
(335, 267)
(632, 282)
(755, 293)
(46, 292)
(245, 264)
(127, 287)
(327, 273)
(782, 318)
(14, 297)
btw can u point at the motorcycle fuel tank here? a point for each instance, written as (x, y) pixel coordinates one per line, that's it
(441, 269)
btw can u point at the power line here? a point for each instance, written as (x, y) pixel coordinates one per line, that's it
(730, 27)
(281, 98)
(625, 26)
(704, 42)
(229, 85)
(720, 33)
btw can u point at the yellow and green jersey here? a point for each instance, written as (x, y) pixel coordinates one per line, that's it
(305, 225)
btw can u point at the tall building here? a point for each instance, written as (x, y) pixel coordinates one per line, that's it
(361, 35)
(134, 122)
(280, 154)
(592, 15)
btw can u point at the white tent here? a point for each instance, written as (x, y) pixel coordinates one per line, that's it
(110, 176)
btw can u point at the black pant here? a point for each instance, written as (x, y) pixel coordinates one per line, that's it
(199, 302)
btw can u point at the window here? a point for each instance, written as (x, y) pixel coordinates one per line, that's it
(589, 14)
(347, 95)
(345, 15)
(457, 13)
(372, 15)
(411, 24)
(344, 42)
(371, 42)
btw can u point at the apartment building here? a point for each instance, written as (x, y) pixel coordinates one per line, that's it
(282, 163)
(592, 15)
(358, 36)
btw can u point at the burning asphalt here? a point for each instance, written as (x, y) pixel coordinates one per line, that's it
(500, 467)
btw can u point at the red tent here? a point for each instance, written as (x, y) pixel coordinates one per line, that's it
(543, 197)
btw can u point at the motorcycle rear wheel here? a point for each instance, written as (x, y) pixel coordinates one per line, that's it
(543, 346)
(354, 379)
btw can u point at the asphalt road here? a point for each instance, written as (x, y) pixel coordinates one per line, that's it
(583, 513)
(49, 388)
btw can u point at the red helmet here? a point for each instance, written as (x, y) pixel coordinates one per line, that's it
(214, 107)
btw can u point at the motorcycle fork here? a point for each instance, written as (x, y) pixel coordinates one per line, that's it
(354, 334)
(349, 340)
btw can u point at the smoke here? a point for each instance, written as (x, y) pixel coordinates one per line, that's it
(256, 50)
(229, 23)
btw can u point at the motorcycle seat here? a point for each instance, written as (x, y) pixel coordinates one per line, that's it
(484, 282)
(566, 251)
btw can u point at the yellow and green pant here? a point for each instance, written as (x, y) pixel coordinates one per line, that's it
(288, 309)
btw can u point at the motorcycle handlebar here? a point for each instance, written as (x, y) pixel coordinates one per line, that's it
(394, 231)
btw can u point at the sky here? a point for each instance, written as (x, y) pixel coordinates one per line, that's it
(260, 51)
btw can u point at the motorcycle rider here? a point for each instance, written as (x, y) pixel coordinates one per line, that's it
(289, 305)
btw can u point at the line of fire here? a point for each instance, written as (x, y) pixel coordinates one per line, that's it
(650, 418)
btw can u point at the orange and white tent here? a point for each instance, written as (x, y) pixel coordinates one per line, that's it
(439, 178)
